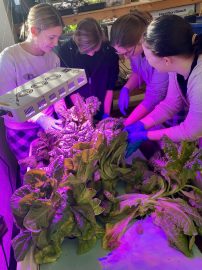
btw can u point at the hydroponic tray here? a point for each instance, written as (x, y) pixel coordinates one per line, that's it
(143, 247)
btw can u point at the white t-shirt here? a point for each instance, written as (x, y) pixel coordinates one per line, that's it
(17, 67)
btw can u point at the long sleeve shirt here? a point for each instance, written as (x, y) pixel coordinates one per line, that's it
(101, 69)
(156, 82)
(191, 128)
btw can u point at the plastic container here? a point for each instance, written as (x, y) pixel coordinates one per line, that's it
(191, 18)
(90, 7)
(66, 11)
(198, 19)
(197, 28)
(110, 3)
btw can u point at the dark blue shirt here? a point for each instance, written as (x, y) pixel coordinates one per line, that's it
(101, 69)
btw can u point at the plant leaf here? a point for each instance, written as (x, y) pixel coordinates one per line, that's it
(86, 245)
(21, 245)
(38, 216)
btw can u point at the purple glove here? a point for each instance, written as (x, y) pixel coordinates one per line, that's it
(134, 141)
(136, 127)
(136, 135)
(105, 115)
(132, 147)
(136, 132)
(124, 100)
(48, 122)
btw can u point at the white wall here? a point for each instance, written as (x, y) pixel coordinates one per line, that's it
(6, 33)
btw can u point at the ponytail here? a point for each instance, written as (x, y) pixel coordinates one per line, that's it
(197, 44)
(24, 31)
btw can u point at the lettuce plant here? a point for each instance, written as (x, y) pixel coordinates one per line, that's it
(169, 193)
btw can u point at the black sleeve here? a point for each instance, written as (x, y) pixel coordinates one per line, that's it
(65, 55)
(113, 66)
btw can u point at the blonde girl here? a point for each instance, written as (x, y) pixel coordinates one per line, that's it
(24, 61)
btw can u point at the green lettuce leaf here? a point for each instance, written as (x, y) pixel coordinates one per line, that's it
(39, 216)
(21, 202)
(21, 245)
(48, 254)
(177, 225)
(86, 245)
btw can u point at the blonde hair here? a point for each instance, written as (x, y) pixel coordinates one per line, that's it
(42, 16)
(88, 35)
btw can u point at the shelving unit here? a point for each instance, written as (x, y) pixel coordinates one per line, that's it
(117, 11)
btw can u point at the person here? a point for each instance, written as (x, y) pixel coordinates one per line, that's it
(89, 50)
(24, 61)
(170, 45)
(126, 37)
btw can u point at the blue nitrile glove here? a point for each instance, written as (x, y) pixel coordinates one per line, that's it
(132, 147)
(136, 127)
(137, 136)
(134, 141)
(105, 115)
(124, 100)
(48, 122)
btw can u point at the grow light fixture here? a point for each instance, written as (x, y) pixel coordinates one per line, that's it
(29, 99)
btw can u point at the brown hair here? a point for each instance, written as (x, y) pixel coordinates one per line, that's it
(42, 16)
(88, 35)
(128, 29)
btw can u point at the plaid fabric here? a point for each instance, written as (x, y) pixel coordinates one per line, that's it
(19, 142)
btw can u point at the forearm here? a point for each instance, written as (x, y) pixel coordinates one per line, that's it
(108, 102)
(181, 132)
(132, 82)
(160, 114)
(148, 122)
(156, 135)
(137, 114)
(175, 133)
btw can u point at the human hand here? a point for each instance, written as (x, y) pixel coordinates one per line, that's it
(138, 137)
(131, 148)
(105, 115)
(124, 100)
(48, 122)
(136, 127)
(134, 141)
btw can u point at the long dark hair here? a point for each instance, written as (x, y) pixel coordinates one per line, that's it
(171, 35)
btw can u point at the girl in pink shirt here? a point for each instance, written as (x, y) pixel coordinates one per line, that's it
(171, 46)
(126, 37)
